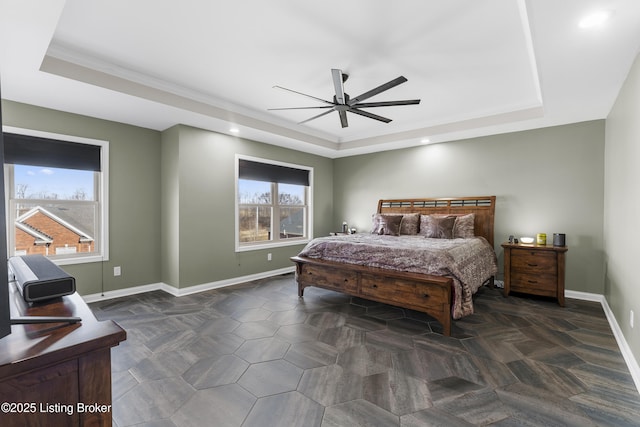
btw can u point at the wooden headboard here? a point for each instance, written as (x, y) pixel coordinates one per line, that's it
(483, 207)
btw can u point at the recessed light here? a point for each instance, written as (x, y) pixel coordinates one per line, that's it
(595, 19)
(425, 141)
(234, 130)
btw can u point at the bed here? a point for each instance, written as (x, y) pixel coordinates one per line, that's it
(434, 269)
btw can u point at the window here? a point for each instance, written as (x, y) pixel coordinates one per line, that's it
(273, 203)
(57, 192)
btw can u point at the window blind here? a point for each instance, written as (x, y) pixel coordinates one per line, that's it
(258, 171)
(37, 151)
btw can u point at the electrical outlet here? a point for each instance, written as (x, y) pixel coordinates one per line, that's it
(117, 271)
(269, 256)
(631, 316)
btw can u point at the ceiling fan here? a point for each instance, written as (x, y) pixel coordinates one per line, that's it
(342, 103)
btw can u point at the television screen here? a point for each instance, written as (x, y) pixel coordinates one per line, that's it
(5, 315)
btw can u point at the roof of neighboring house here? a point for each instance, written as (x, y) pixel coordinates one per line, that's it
(23, 225)
(37, 234)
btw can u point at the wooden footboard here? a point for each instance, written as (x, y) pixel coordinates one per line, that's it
(421, 292)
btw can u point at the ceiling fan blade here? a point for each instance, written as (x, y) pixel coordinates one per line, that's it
(304, 94)
(339, 86)
(393, 83)
(343, 118)
(300, 108)
(315, 117)
(369, 115)
(386, 103)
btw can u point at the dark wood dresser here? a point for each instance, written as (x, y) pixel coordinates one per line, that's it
(534, 269)
(56, 374)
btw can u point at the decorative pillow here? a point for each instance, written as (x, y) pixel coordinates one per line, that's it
(408, 225)
(375, 223)
(425, 220)
(387, 224)
(437, 227)
(463, 228)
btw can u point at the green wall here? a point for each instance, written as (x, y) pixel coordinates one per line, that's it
(199, 179)
(171, 204)
(134, 195)
(172, 196)
(170, 208)
(171, 201)
(622, 208)
(546, 181)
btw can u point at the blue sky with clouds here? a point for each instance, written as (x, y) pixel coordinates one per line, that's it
(63, 182)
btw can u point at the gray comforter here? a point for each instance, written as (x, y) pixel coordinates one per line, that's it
(470, 262)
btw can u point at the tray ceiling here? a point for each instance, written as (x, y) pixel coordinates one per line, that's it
(479, 67)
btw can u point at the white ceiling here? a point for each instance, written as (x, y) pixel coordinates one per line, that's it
(479, 66)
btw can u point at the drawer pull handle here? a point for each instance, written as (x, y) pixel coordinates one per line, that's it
(346, 280)
(532, 265)
(426, 296)
(375, 286)
(532, 281)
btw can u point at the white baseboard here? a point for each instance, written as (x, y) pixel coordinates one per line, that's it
(629, 358)
(632, 363)
(178, 292)
(585, 296)
(122, 292)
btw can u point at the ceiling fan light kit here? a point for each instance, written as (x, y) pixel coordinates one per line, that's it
(342, 103)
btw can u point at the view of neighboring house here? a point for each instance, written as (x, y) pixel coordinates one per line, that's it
(38, 231)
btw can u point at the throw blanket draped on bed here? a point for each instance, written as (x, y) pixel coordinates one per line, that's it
(470, 262)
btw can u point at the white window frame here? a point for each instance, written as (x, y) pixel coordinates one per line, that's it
(252, 246)
(102, 248)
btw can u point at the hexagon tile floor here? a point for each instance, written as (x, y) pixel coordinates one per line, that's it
(256, 355)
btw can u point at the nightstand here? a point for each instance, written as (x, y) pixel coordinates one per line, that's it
(534, 269)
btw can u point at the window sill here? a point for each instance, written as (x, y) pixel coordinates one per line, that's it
(78, 260)
(259, 246)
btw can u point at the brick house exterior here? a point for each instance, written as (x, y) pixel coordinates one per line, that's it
(38, 231)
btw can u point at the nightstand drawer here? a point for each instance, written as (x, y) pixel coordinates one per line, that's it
(537, 262)
(527, 282)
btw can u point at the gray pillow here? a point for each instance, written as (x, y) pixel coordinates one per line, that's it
(437, 227)
(387, 224)
(464, 227)
(410, 224)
